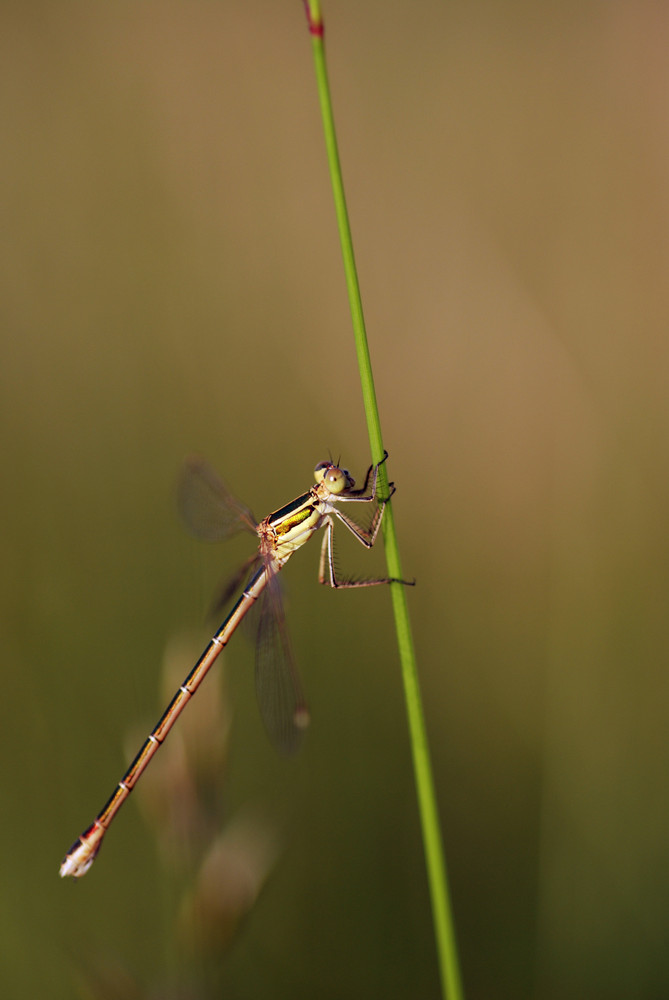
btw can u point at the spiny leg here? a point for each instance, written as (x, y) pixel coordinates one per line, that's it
(366, 538)
(358, 495)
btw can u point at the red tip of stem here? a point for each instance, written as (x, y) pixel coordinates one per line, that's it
(315, 26)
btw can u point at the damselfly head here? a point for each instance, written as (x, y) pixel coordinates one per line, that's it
(337, 480)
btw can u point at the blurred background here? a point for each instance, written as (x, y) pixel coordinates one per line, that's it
(171, 282)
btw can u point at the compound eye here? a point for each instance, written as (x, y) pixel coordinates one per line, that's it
(335, 480)
(320, 470)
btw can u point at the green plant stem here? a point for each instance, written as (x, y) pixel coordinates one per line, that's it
(432, 840)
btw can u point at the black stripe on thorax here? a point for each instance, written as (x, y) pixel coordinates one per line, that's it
(283, 512)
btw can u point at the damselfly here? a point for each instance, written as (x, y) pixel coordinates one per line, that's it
(213, 513)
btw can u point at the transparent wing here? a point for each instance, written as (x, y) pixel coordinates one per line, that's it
(230, 587)
(281, 701)
(208, 508)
